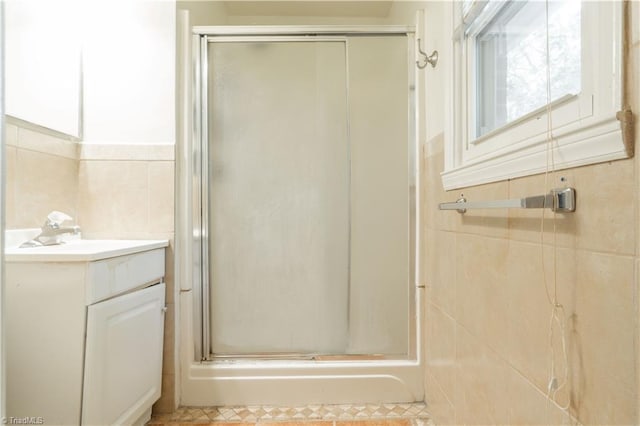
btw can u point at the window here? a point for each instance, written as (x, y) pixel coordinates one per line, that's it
(502, 95)
(511, 52)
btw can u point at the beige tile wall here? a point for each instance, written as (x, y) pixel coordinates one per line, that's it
(488, 313)
(487, 327)
(42, 175)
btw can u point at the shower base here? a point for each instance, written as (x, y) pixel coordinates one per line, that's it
(301, 382)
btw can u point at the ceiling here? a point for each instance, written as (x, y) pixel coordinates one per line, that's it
(363, 8)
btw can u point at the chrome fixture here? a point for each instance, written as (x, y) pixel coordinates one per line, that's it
(562, 200)
(428, 59)
(52, 230)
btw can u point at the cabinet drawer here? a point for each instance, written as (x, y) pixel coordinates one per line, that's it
(117, 275)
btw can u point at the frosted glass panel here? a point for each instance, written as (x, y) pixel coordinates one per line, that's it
(379, 120)
(279, 197)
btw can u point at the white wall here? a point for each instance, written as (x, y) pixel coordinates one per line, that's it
(2, 186)
(216, 13)
(129, 72)
(404, 12)
(304, 20)
(43, 63)
(438, 37)
(204, 12)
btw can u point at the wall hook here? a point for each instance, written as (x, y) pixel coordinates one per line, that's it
(428, 59)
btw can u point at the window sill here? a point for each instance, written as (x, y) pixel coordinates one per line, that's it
(588, 145)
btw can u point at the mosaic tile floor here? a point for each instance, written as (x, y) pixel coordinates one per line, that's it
(311, 415)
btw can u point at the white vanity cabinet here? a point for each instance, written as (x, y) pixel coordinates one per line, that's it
(85, 328)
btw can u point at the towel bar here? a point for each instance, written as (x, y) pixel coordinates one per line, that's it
(561, 200)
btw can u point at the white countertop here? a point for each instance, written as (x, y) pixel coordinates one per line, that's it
(82, 250)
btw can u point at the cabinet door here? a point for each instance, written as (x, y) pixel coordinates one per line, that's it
(123, 361)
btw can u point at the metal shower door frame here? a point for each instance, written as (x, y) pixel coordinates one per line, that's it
(201, 38)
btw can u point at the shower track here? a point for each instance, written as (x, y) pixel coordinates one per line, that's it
(300, 357)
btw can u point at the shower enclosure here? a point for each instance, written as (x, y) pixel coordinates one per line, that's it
(304, 217)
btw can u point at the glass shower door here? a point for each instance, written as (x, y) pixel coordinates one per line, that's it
(310, 197)
(279, 202)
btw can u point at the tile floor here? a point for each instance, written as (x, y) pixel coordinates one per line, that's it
(312, 415)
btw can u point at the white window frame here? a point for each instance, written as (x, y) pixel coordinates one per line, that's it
(585, 126)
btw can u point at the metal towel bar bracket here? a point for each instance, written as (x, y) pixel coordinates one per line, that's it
(562, 200)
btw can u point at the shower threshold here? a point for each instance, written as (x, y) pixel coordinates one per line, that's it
(270, 356)
(227, 381)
